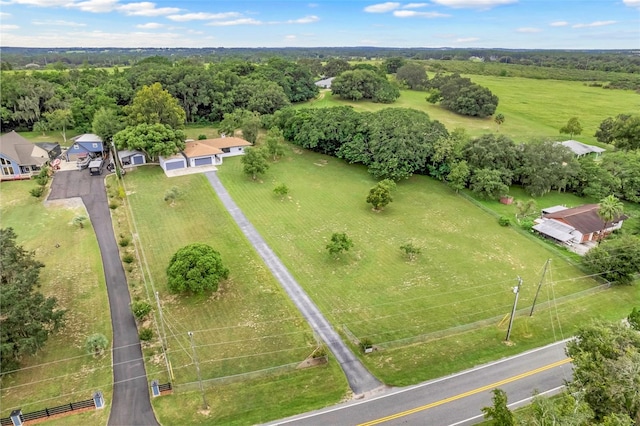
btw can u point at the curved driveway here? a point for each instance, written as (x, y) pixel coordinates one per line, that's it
(359, 378)
(131, 404)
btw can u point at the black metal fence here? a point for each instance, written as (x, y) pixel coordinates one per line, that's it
(48, 412)
(166, 387)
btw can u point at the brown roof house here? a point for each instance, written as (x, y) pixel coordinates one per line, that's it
(19, 158)
(577, 225)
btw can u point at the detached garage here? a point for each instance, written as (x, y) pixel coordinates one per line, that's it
(175, 162)
(131, 158)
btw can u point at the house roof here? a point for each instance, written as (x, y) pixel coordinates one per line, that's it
(48, 146)
(127, 153)
(200, 149)
(226, 142)
(325, 82)
(20, 150)
(555, 229)
(87, 137)
(580, 148)
(583, 218)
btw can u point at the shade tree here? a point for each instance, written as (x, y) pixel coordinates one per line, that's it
(364, 84)
(379, 197)
(573, 127)
(254, 162)
(413, 75)
(196, 268)
(153, 139)
(617, 260)
(155, 105)
(339, 242)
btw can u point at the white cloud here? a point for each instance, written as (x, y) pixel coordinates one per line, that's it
(290, 37)
(413, 13)
(528, 30)
(203, 16)
(594, 24)
(382, 7)
(415, 5)
(473, 4)
(305, 20)
(4, 15)
(632, 3)
(39, 3)
(242, 21)
(466, 40)
(95, 6)
(59, 23)
(4, 27)
(150, 26)
(313, 5)
(145, 8)
(559, 24)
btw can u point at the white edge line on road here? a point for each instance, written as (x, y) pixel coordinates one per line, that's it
(418, 386)
(513, 404)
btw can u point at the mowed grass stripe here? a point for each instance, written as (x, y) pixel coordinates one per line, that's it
(468, 266)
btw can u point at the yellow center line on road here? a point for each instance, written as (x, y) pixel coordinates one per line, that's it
(469, 393)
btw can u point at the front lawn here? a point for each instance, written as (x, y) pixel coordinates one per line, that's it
(463, 278)
(248, 326)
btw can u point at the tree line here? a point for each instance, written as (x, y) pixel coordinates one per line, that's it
(395, 143)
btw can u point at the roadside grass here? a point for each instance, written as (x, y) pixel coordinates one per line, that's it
(532, 108)
(61, 372)
(51, 137)
(465, 274)
(247, 326)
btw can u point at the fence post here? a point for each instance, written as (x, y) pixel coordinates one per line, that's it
(98, 400)
(16, 417)
(155, 388)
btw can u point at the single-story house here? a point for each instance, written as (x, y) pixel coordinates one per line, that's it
(325, 83)
(173, 162)
(131, 158)
(229, 145)
(580, 149)
(202, 153)
(83, 145)
(575, 225)
(53, 149)
(19, 158)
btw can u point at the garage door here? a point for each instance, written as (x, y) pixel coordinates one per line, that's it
(138, 159)
(174, 165)
(203, 161)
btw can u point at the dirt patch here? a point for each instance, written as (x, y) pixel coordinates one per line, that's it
(67, 203)
(312, 362)
(321, 163)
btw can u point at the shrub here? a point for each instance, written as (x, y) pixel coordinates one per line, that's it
(202, 137)
(365, 344)
(320, 352)
(37, 191)
(183, 276)
(526, 224)
(504, 221)
(140, 309)
(124, 241)
(113, 206)
(145, 334)
(42, 180)
(96, 344)
(128, 258)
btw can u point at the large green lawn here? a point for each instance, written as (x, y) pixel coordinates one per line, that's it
(532, 108)
(465, 273)
(249, 325)
(61, 372)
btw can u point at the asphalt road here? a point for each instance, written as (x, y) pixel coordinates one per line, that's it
(452, 400)
(360, 379)
(131, 405)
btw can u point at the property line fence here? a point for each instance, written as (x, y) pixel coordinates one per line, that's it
(439, 334)
(192, 386)
(48, 412)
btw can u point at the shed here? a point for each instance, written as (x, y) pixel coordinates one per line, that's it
(174, 162)
(131, 158)
(580, 149)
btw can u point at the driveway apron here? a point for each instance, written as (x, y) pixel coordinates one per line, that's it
(131, 404)
(359, 378)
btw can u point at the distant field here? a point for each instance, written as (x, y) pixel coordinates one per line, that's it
(61, 372)
(464, 275)
(532, 108)
(248, 326)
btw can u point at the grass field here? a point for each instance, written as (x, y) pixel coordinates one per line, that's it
(61, 372)
(464, 275)
(248, 326)
(532, 108)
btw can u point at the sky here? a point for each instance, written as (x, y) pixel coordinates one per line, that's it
(511, 24)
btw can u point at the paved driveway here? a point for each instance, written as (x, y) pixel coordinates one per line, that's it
(131, 404)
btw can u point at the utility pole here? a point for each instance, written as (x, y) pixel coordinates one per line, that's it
(195, 360)
(544, 272)
(164, 336)
(516, 290)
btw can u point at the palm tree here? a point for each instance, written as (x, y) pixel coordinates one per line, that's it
(609, 208)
